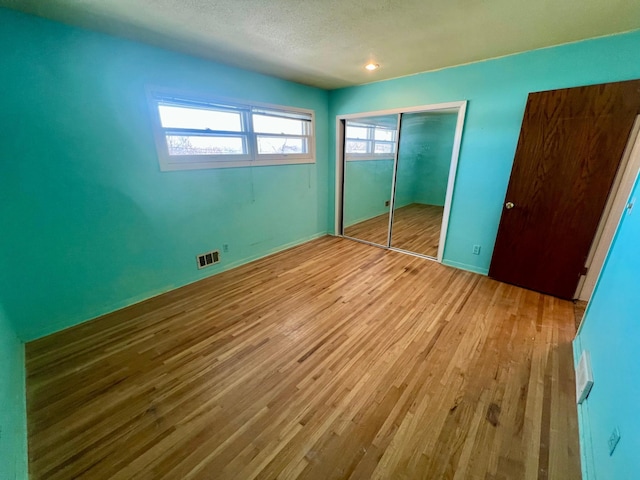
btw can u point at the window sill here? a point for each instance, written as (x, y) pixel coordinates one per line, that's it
(195, 165)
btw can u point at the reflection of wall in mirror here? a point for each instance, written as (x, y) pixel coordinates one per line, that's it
(367, 186)
(426, 145)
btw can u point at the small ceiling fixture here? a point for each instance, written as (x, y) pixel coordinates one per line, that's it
(372, 66)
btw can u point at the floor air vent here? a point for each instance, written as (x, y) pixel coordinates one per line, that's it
(207, 259)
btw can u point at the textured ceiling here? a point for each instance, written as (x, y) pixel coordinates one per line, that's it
(325, 43)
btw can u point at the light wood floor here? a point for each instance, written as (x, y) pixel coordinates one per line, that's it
(331, 360)
(579, 307)
(416, 228)
(374, 230)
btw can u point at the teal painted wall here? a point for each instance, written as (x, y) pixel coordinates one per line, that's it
(89, 222)
(611, 333)
(13, 422)
(497, 93)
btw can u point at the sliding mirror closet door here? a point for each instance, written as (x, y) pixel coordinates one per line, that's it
(369, 162)
(423, 168)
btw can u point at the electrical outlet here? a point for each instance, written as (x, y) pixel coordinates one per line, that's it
(225, 247)
(476, 249)
(387, 203)
(613, 440)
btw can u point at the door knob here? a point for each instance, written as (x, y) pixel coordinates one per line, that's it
(509, 205)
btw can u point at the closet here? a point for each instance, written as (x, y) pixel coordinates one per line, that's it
(397, 172)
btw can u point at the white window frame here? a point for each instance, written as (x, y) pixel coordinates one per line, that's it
(168, 162)
(371, 142)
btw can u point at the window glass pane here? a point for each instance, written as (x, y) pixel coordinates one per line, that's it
(269, 124)
(218, 133)
(384, 148)
(355, 146)
(357, 132)
(199, 118)
(281, 145)
(205, 145)
(385, 134)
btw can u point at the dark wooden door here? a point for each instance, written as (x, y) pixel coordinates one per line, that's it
(569, 150)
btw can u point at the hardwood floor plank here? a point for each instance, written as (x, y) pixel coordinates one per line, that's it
(333, 359)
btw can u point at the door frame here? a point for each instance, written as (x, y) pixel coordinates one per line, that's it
(613, 210)
(453, 167)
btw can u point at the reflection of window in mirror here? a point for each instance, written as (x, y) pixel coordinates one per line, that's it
(369, 141)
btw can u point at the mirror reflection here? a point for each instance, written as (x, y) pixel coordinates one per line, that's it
(369, 154)
(424, 161)
(398, 173)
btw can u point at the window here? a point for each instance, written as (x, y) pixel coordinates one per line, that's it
(369, 142)
(195, 133)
